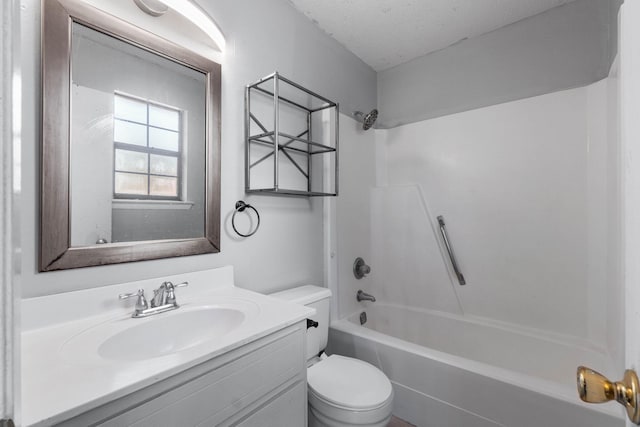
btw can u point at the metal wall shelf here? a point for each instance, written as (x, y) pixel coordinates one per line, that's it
(298, 165)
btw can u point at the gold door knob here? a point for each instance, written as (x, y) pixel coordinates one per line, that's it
(594, 387)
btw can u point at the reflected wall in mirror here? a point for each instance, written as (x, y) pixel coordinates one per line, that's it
(131, 143)
(137, 143)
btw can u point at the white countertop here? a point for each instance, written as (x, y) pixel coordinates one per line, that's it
(61, 379)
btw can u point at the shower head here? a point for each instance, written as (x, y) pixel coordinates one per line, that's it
(367, 119)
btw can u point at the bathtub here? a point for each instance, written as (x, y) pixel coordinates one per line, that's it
(453, 371)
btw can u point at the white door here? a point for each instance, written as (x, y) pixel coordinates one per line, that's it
(592, 386)
(629, 44)
(9, 184)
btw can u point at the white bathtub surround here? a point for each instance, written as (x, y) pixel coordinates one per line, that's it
(530, 194)
(407, 250)
(527, 192)
(59, 348)
(515, 183)
(348, 228)
(350, 219)
(450, 370)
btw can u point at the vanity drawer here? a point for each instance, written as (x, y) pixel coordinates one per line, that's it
(216, 392)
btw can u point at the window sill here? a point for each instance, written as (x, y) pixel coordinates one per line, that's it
(152, 204)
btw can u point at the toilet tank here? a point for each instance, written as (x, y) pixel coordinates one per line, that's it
(318, 298)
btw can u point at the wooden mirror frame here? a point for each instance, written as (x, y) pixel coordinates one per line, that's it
(56, 252)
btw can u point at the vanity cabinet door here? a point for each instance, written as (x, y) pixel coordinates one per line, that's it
(288, 409)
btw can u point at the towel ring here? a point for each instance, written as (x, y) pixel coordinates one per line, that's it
(240, 207)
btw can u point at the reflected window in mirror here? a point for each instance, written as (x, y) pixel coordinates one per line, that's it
(148, 150)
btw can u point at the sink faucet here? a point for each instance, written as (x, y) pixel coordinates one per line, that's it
(159, 297)
(363, 296)
(165, 294)
(164, 299)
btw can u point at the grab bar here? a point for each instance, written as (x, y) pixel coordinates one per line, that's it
(452, 257)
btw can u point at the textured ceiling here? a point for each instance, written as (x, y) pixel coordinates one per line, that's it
(385, 33)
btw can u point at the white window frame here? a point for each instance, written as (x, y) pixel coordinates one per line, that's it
(149, 151)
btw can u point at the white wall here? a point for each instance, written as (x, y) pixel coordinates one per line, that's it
(528, 192)
(261, 37)
(565, 47)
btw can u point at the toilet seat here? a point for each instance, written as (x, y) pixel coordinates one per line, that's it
(349, 384)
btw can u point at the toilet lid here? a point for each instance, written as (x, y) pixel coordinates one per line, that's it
(349, 382)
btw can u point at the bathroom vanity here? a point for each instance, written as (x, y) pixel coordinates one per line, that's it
(227, 356)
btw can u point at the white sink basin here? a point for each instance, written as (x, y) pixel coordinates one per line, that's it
(169, 334)
(136, 340)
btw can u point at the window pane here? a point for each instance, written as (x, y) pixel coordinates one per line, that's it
(128, 183)
(163, 186)
(129, 133)
(164, 117)
(164, 139)
(131, 161)
(164, 165)
(129, 109)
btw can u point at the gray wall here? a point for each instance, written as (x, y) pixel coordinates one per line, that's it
(565, 47)
(261, 37)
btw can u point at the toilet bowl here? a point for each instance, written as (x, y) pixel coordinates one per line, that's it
(342, 391)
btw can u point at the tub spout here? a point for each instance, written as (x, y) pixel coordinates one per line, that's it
(363, 296)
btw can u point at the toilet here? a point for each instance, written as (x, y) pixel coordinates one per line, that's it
(342, 391)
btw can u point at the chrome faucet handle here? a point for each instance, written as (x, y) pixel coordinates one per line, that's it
(141, 303)
(360, 268)
(158, 295)
(171, 295)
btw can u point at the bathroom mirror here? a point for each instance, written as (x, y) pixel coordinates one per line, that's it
(130, 143)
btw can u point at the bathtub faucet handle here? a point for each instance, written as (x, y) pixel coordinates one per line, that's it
(360, 268)
(312, 324)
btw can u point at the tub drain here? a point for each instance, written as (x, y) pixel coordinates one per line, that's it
(363, 318)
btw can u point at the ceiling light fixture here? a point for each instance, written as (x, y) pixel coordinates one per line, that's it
(152, 7)
(198, 17)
